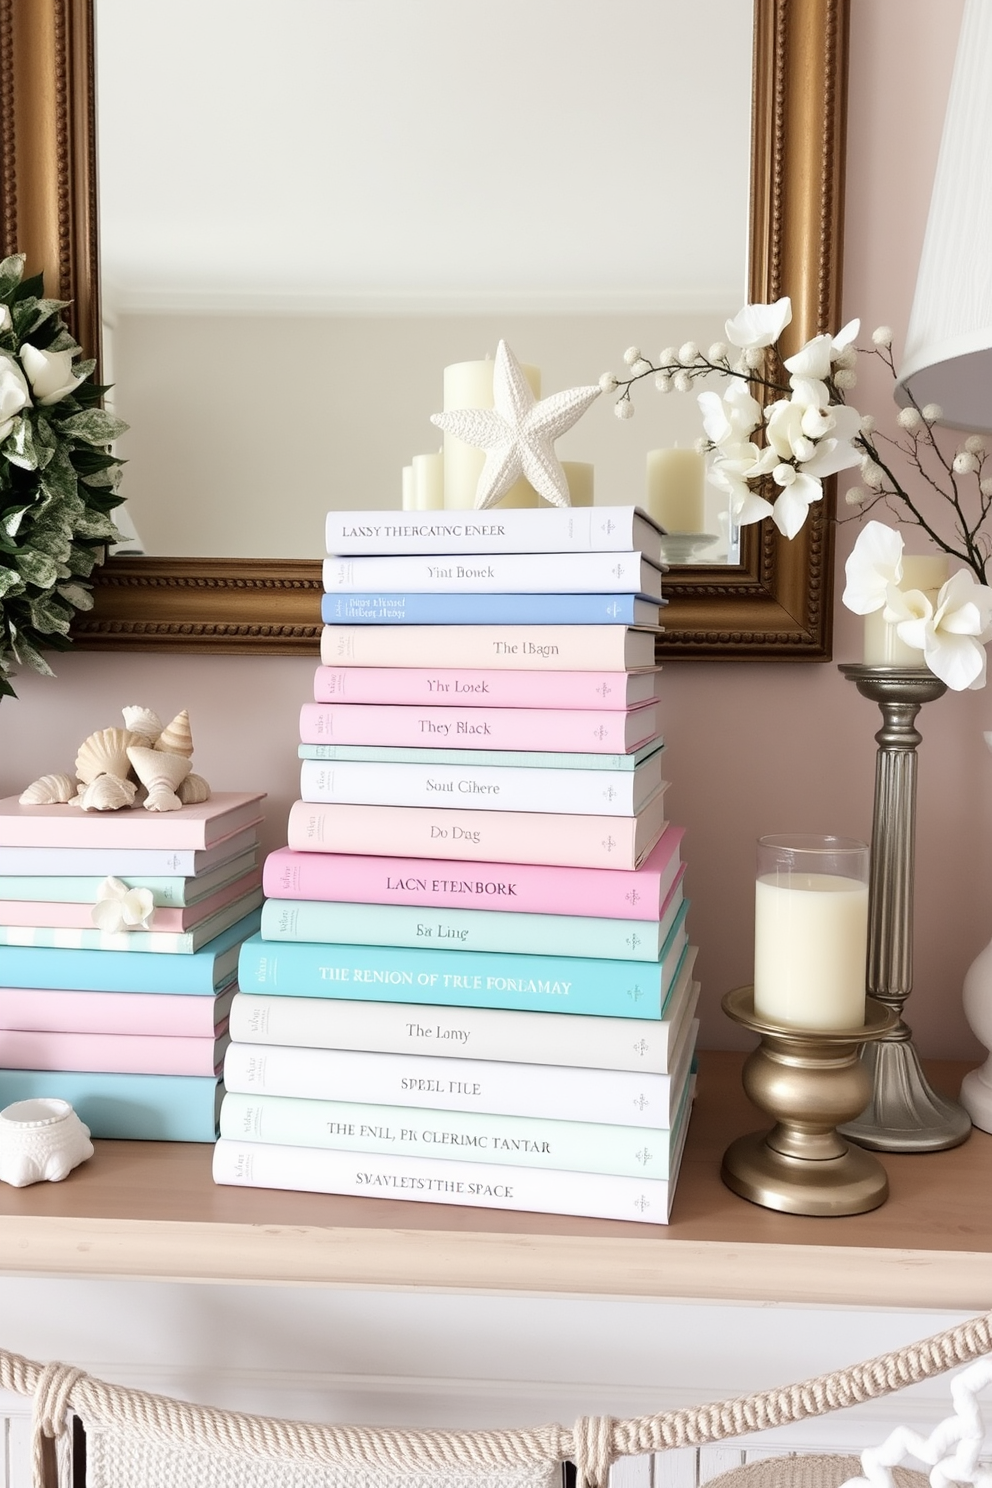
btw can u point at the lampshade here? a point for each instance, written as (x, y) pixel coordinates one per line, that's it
(948, 353)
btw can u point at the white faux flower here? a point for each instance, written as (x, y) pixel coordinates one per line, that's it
(817, 356)
(759, 325)
(730, 473)
(729, 419)
(875, 566)
(119, 908)
(50, 374)
(6, 320)
(951, 634)
(14, 394)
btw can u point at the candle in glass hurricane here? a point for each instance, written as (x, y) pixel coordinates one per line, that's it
(811, 931)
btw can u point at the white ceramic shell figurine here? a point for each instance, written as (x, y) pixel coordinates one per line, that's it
(193, 790)
(176, 737)
(48, 790)
(161, 774)
(104, 753)
(143, 723)
(107, 793)
(41, 1140)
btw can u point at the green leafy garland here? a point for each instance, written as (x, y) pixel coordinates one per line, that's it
(58, 481)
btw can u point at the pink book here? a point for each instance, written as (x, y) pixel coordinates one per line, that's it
(480, 836)
(194, 827)
(418, 686)
(112, 1054)
(66, 916)
(593, 731)
(530, 888)
(166, 1015)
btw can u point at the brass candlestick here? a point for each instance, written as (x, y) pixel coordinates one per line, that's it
(904, 1114)
(810, 1080)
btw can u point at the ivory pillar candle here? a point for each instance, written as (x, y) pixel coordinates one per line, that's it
(675, 489)
(470, 385)
(409, 499)
(579, 475)
(883, 646)
(428, 482)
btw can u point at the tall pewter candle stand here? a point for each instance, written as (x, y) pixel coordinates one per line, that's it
(904, 1114)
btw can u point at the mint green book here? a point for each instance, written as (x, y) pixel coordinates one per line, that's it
(167, 892)
(386, 754)
(328, 923)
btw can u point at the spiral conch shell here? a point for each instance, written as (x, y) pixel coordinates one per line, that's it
(193, 790)
(47, 790)
(143, 723)
(107, 793)
(176, 737)
(104, 753)
(161, 773)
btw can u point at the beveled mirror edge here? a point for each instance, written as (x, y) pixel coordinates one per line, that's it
(776, 606)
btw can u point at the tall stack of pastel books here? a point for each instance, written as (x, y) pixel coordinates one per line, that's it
(473, 983)
(129, 1026)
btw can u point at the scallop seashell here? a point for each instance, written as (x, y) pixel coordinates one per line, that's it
(143, 723)
(193, 790)
(104, 753)
(47, 790)
(107, 793)
(162, 774)
(176, 738)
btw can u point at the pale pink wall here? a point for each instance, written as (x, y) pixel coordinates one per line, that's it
(753, 747)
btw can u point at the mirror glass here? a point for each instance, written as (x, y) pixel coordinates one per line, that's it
(307, 211)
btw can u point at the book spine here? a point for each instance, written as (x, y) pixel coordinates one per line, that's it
(59, 889)
(429, 1180)
(418, 686)
(484, 787)
(113, 1012)
(465, 929)
(133, 942)
(462, 1136)
(473, 836)
(123, 1054)
(486, 728)
(555, 1092)
(514, 759)
(192, 827)
(501, 573)
(565, 530)
(486, 609)
(503, 647)
(123, 862)
(564, 984)
(59, 914)
(479, 1033)
(138, 1108)
(438, 884)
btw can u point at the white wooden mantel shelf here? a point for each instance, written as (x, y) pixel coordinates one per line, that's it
(150, 1210)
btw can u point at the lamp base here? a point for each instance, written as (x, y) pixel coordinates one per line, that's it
(851, 1183)
(904, 1114)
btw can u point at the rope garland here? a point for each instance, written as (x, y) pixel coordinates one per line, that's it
(594, 1443)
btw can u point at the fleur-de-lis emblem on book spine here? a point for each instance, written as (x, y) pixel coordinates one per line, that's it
(604, 689)
(609, 843)
(641, 1047)
(613, 609)
(635, 993)
(609, 794)
(617, 570)
(632, 896)
(642, 1203)
(644, 1156)
(633, 941)
(599, 733)
(641, 1103)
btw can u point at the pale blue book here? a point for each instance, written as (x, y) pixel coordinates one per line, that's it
(208, 970)
(168, 892)
(391, 754)
(136, 1108)
(558, 984)
(488, 609)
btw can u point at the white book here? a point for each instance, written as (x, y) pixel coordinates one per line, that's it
(486, 787)
(436, 1181)
(558, 1092)
(577, 1039)
(494, 573)
(562, 648)
(565, 529)
(125, 862)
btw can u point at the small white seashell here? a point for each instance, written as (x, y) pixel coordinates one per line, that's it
(47, 790)
(161, 773)
(176, 737)
(193, 790)
(107, 793)
(103, 753)
(143, 723)
(41, 1139)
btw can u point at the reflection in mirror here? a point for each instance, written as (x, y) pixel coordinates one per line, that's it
(303, 223)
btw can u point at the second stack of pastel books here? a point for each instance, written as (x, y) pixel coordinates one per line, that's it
(473, 968)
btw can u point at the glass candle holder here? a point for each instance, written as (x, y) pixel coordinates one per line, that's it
(811, 931)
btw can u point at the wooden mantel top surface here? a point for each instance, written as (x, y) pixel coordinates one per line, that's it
(148, 1209)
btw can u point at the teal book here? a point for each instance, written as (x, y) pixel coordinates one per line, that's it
(469, 929)
(207, 970)
(167, 891)
(558, 984)
(135, 1108)
(391, 754)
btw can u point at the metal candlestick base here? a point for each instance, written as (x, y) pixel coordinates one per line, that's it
(904, 1114)
(809, 1080)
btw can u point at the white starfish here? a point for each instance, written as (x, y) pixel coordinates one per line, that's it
(518, 433)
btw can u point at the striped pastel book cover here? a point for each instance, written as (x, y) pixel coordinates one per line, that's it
(453, 687)
(67, 915)
(133, 942)
(167, 890)
(593, 731)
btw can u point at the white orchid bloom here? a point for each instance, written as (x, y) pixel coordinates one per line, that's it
(874, 566)
(50, 374)
(119, 908)
(797, 494)
(730, 419)
(730, 473)
(785, 430)
(759, 325)
(952, 633)
(14, 394)
(817, 357)
(838, 452)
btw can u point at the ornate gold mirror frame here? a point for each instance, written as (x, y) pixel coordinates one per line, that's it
(776, 605)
